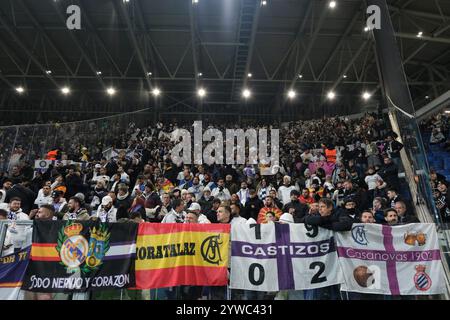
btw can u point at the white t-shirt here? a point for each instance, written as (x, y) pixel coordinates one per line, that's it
(371, 180)
(284, 194)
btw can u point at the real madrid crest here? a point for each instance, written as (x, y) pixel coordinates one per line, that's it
(76, 253)
(421, 279)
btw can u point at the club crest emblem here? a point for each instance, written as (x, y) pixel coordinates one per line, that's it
(359, 235)
(76, 253)
(421, 279)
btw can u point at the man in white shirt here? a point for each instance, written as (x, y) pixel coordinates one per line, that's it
(235, 213)
(106, 212)
(243, 193)
(45, 197)
(221, 191)
(15, 212)
(176, 215)
(284, 192)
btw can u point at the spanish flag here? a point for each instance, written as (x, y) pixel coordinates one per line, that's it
(172, 254)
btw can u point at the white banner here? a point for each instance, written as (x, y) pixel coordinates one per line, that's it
(400, 260)
(273, 257)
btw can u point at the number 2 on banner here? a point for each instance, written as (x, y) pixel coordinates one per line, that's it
(317, 277)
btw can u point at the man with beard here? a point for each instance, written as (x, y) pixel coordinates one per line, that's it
(123, 201)
(196, 188)
(276, 201)
(15, 212)
(7, 184)
(76, 211)
(300, 209)
(252, 206)
(206, 200)
(22, 192)
(243, 193)
(269, 207)
(208, 183)
(106, 212)
(229, 183)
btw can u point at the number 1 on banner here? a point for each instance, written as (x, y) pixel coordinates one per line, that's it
(257, 230)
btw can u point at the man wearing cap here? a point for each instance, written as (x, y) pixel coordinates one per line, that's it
(206, 199)
(195, 208)
(59, 204)
(106, 212)
(300, 209)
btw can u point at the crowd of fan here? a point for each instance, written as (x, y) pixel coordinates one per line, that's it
(347, 165)
(439, 126)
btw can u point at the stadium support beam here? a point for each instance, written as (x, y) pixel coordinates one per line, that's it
(434, 106)
(97, 37)
(46, 36)
(79, 45)
(338, 45)
(121, 7)
(26, 50)
(194, 43)
(424, 38)
(418, 13)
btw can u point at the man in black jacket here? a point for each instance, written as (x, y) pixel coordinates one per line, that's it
(211, 214)
(26, 196)
(300, 209)
(252, 206)
(329, 218)
(389, 173)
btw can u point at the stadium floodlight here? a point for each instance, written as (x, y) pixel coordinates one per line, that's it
(249, 75)
(366, 29)
(291, 94)
(149, 74)
(331, 95)
(246, 93)
(98, 73)
(199, 74)
(156, 92)
(125, 1)
(300, 76)
(65, 90)
(447, 111)
(20, 90)
(419, 34)
(201, 92)
(344, 76)
(332, 4)
(427, 97)
(111, 91)
(263, 2)
(194, 1)
(366, 95)
(48, 71)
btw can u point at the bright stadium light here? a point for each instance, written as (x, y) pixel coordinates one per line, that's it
(249, 75)
(194, 1)
(149, 74)
(427, 97)
(332, 4)
(246, 93)
(65, 90)
(419, 34)
(200, 74)
(111, 91)
(98, 73)
(331, 95)
(291, 94)
(447, 111)
(156, 92)
(201, 92)
(366, 95)
(366, 29)
(20, 89)
(300, 76)
(48, 71)
(263, 2)
(344, 76)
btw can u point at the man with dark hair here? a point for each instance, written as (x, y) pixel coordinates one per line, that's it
(45, 212)
(7, 184)
(59, 204)
(389, 173)
(391, 217)
(404, 216)
(393, 196)
(76, 210)
(177, 214)
(21, 191)
(15, 211)
(211, 214)
(300, 209)
(329, 218)
(224, 214)
(252, 206)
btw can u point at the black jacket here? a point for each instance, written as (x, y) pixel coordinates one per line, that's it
(339, 220)
(389, 173)
(252, 207)
(26, 196)
(300, 210)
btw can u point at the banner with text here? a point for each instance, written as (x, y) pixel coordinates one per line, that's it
(79, 256)
(273, 257)
(174, 254)
(12, 271)
(400, 260)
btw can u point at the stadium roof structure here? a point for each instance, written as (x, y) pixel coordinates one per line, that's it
(222, 46)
